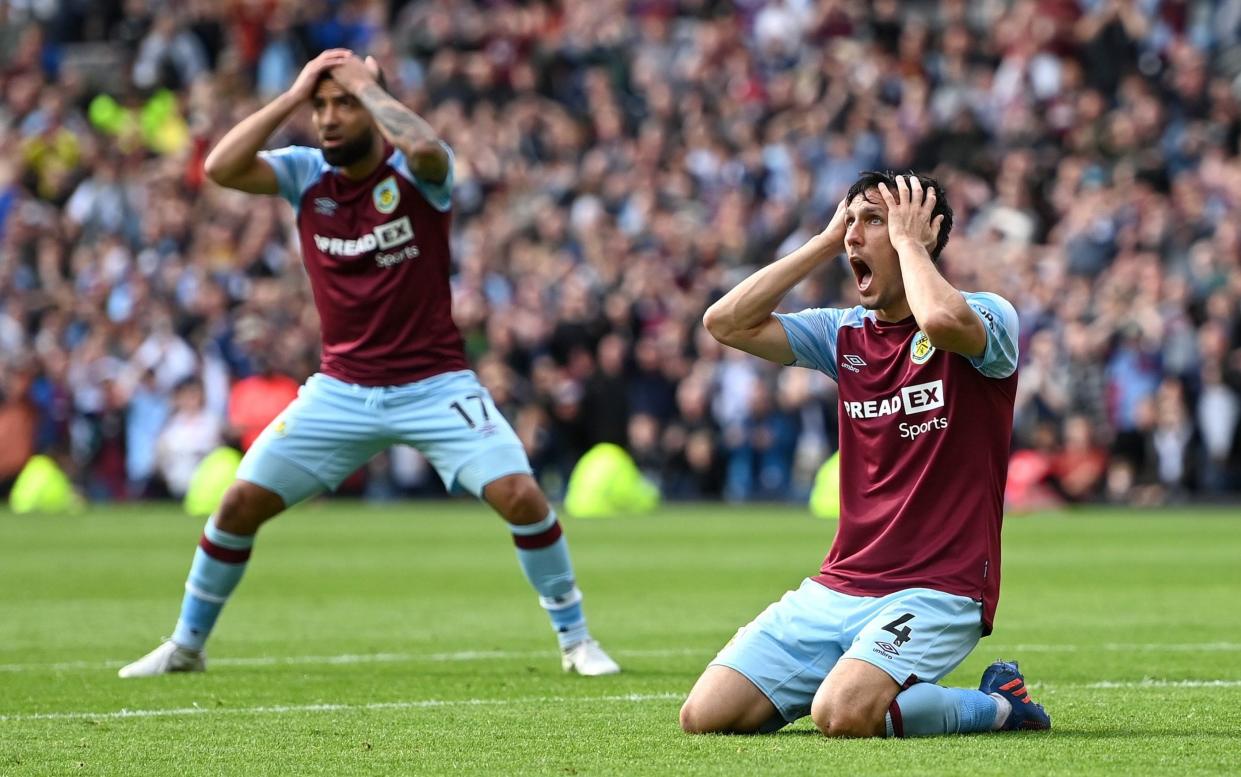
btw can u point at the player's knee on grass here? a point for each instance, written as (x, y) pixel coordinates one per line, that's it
(853, 701)
(245, 507)
(725, 702)
(517, 498)
(848, 721)
(698, 717)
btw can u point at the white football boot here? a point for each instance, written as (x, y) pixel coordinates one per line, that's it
(168, 657)
(588, 659)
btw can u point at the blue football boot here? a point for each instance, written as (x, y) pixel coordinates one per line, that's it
(1005, 679)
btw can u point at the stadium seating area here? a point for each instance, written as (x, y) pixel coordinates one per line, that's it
(620, 165)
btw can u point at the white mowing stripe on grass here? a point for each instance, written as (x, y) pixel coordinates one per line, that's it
(1126, 647)
(633, 698)
(1152, 683)
(361, 658)
(285, 709)
(503, 655)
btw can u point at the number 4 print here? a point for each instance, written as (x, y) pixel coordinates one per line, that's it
(902, 634)
(482, 408)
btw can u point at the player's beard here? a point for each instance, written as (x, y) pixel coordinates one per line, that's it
(350, 151)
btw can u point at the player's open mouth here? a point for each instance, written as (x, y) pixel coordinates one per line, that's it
(861, 270)
(333, 141)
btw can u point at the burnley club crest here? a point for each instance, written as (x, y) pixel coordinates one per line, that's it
(386, 195)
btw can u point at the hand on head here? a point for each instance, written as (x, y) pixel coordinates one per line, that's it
(352, 74)
(909, 212)
(303, 88)
(346, 69)
(834, 232)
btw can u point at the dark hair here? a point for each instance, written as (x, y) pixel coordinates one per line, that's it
(870, 179)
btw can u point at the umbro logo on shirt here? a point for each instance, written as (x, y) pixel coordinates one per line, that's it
(325, 206)
(852, 362)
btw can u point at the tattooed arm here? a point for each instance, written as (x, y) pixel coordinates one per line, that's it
(404, 129)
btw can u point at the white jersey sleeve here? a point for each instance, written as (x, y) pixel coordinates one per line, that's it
(999, 319)
(812, 336)
(438, 194)
(296, 169)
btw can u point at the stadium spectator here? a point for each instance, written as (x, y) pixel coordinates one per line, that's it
(191, 433)
(18, 422)
(255, 401)
(619, 165)
(606, 402)
(148, 413)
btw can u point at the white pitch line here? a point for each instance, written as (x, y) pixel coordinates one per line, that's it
(360, 658)
(284, 709)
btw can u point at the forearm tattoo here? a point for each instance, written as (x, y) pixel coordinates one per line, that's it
(403, 127)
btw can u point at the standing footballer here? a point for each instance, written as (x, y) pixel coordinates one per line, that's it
(373, 213)
(927, 376)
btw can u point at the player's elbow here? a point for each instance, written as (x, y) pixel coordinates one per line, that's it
(217, 170)
(213, 167)
(720, 325)
(428, 160)
(946, 329)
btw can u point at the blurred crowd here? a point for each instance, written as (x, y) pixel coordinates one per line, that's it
(620, 164)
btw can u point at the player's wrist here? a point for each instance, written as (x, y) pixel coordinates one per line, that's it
(353, 82)
(826, 246)
(290, 100)
(350, 85)
(905, 243)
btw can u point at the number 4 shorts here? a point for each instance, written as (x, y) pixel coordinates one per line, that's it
(914, 635)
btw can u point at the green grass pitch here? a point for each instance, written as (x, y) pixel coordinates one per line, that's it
(403, 640)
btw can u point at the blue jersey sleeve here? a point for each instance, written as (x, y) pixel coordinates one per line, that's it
(296, 168)
(999, 319)
(438, 194)
(812, 337)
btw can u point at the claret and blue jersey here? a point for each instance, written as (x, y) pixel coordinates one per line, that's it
(393, 372)
(924, 444)
(377, 254)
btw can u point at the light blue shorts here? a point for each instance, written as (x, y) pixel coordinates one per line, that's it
(333, 427)
(789, 649)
